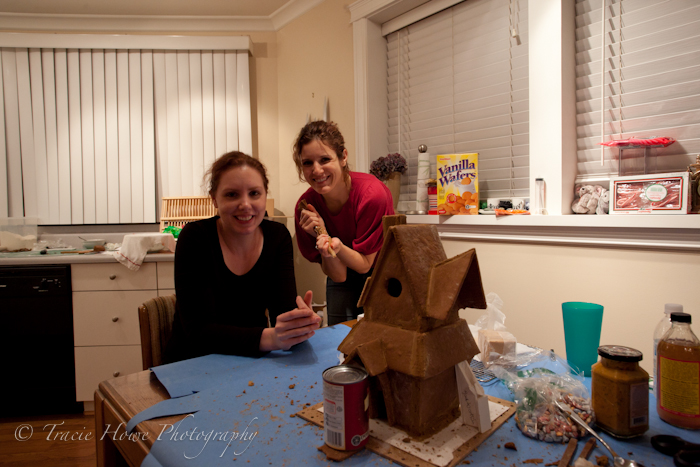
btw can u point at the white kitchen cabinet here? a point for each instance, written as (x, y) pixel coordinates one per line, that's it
(108, 317)
(107, 341)
(113, 276)
(98, 363)
(166, 278)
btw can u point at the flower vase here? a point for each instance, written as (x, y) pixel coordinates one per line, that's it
(394, 184)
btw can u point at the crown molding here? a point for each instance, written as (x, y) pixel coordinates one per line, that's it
(18, 22)
(39, 22)
(290, 11)
(366, 8)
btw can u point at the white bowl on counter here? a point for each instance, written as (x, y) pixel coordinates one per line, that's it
(158, 247)
(91, 243)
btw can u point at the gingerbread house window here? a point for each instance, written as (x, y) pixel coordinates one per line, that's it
(394, 287)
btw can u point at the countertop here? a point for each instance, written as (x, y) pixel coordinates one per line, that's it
(74, 240)
(74, 258)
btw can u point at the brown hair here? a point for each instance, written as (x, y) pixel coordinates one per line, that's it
(228, 161)
(325, 132)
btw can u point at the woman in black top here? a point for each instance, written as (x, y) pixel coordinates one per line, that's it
(232, 267)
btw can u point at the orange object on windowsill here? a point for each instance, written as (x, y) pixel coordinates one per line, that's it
(508, 212)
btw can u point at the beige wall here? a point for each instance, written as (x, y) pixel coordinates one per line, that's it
(632, 285)
(314, 60)
(263, 90)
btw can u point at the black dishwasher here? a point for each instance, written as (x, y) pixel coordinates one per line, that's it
(36, 341)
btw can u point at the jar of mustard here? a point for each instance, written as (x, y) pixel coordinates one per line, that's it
(620, 392)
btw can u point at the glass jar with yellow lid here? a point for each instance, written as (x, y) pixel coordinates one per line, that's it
(620, 392)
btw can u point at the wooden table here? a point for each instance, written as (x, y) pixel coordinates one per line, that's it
(120, 399)
(116, 402)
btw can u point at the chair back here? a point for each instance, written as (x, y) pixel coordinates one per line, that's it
(156, 323)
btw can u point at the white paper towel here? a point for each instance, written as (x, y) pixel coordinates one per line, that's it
(423, 177)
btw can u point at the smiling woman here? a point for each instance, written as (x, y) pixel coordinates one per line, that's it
(349, 206)
(224, 266)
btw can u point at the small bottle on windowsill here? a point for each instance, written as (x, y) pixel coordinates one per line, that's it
(538, 204)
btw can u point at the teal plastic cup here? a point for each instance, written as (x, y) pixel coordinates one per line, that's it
(582, 324)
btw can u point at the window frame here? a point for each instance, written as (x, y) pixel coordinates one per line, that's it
(552, 129)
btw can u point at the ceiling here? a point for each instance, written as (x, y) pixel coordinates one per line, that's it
(235, 8)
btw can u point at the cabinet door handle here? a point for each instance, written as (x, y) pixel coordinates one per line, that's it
(115, 374)
(112, 277)
(115, 319)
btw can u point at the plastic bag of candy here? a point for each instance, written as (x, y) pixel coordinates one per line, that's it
(534, 389)
(171, 229)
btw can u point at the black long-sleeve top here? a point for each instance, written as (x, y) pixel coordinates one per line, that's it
(219, 311)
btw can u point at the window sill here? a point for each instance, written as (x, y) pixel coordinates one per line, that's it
(648, 232)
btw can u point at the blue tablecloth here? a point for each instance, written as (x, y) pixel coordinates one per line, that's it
(240, 412)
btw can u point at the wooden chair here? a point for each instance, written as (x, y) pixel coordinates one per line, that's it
(156, 323)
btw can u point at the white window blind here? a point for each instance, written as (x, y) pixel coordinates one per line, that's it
(202, 111)
(98, 136)
(647, 84)
(76, 128)
(458, 83)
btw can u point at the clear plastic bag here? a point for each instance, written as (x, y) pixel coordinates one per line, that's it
(548, 378)
(495, 342)
(494, 318)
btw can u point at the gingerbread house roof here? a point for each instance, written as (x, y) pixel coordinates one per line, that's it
(381, 347)
(437, 284)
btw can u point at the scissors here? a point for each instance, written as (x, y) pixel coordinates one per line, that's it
(684, 454)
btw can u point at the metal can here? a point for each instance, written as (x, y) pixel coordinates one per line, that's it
(345, 407)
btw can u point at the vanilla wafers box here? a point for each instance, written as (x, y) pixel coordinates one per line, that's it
(458, 183)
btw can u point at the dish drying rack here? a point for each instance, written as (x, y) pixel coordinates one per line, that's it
(179, 210)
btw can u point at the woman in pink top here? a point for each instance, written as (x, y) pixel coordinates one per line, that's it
(349, 206)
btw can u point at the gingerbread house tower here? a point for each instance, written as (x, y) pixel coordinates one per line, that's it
(411, 337)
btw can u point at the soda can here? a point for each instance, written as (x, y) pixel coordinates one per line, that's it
(345, 407)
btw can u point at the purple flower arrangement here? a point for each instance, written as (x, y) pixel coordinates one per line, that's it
(383, 167)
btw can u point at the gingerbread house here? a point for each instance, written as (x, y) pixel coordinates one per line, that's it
(411, 336)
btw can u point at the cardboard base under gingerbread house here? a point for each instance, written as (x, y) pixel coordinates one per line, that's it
(446, 448)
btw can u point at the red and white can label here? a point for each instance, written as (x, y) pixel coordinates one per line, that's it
(345, 407)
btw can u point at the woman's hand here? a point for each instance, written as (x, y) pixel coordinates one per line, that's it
(324, 242)
(309, 219)
(292, 327)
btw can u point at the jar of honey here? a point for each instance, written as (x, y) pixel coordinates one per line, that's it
(678, 355)
(620, 392)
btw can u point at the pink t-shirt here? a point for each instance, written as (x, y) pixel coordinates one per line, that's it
(358, 224)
